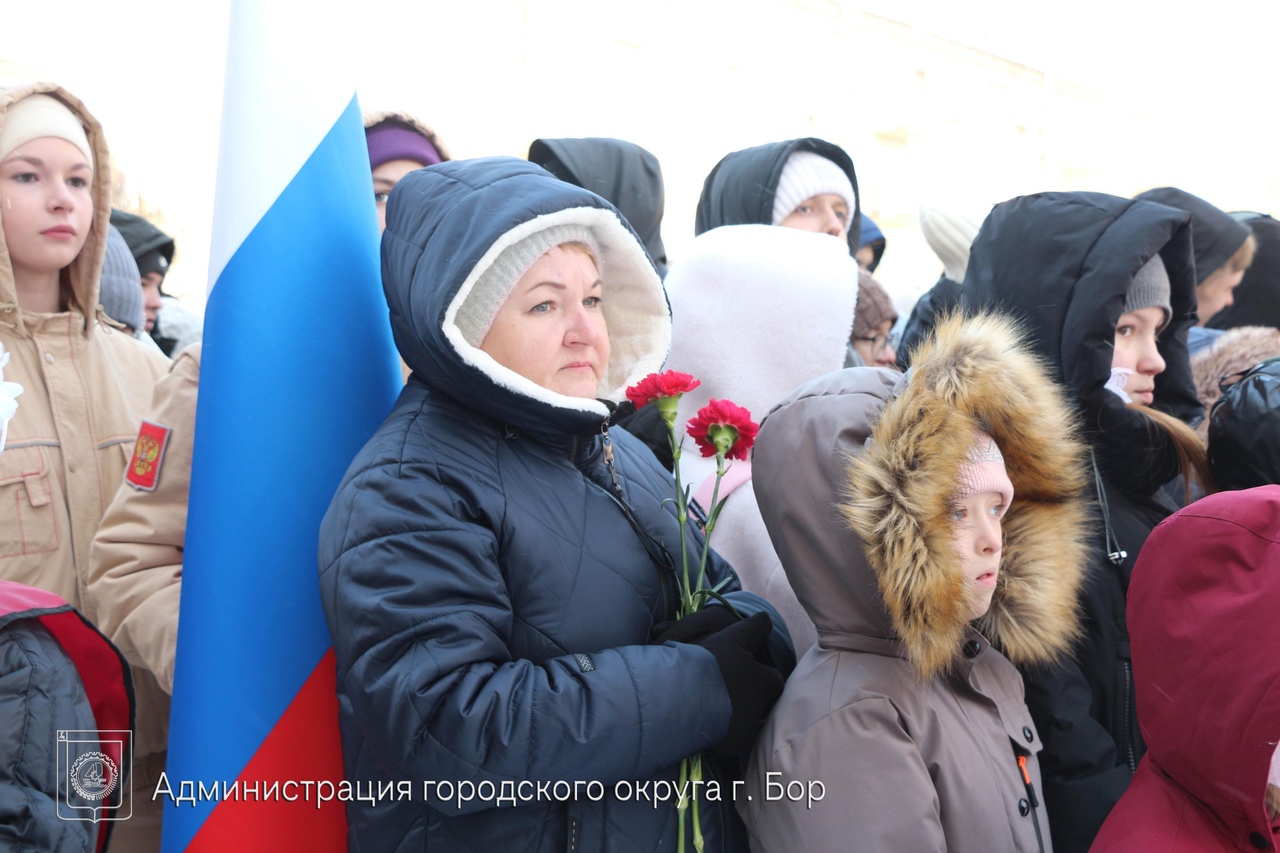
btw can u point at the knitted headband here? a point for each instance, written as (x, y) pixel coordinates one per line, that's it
(389, 142)
(37, 116)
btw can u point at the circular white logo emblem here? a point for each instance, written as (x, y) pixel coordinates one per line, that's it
(94, 776)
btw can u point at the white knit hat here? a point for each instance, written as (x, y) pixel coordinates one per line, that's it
(37, 116)
(495, 284)
(950, 234)
(806, 175)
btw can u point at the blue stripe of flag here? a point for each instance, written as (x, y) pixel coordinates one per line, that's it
(298, 369)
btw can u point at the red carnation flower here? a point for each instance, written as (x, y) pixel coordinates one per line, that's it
(655, 386)
(723, 426)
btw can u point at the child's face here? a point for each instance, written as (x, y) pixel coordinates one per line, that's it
(975, 521)
(46, 204)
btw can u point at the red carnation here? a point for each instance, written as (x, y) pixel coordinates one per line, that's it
(655, 386)
(725, 427)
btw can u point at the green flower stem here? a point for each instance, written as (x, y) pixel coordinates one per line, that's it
(682, 515)
(682, 805)
(712, 513)
(696, 775)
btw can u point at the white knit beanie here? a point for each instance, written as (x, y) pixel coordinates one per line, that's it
(495, 284)
(806, 175)
(37, 116)
(949, 234)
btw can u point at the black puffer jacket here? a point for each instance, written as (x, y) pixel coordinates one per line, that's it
(1062, 263)
(489, 587)
(44, 643)
(740, 190)
(942, 299)
(620, 172)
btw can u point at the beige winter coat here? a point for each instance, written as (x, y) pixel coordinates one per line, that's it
(86, 384)
(905, 712)
(135, 568)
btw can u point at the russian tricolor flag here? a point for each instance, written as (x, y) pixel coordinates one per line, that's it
(298, 370)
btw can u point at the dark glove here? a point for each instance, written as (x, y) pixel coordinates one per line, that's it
(695, 627)
(753, 686)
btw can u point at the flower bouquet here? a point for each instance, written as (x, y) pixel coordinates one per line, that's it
(724, 430)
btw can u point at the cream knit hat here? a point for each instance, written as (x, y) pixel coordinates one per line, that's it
(36, 116)
(495, 284)
(949, 234)
(806, 175)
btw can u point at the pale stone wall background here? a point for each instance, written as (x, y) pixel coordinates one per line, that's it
(962, 104)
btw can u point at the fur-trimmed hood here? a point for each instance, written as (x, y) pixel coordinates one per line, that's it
(1236, 350)
(861, 526)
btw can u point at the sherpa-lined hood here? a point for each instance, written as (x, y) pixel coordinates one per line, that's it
(1201, 615)
(740, 190)
(614, 169)
(85, 270)
(756, 311)
(446, 225)
(862, 528)
(1062, 263)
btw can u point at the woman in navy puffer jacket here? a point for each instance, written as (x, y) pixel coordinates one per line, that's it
(497, 559)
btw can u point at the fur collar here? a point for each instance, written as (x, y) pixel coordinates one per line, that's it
(975, 371)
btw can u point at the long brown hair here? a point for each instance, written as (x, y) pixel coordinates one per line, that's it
(1193, 455)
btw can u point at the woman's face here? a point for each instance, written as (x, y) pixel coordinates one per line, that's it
(551, 330)
(1136, 349)
(46, 205)
(823, 214)
(875, 349)
(385, 177)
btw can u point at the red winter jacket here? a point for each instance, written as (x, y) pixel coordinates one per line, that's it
(1205, 638)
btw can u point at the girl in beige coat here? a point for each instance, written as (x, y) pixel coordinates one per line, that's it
(908, 717)
(85, 381)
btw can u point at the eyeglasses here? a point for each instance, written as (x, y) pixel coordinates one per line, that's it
(878, 343)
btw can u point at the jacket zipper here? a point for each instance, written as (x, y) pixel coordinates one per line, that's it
(1031, 798)
(575, 829)
(1128, 716)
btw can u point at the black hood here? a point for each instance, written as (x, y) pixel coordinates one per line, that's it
(142, 236)
(1062, 263)
(740, 190)
(621, 172)
(447, 223)
(1256, 302)
(1215, 235)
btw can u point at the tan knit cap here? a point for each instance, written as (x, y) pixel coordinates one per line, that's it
(873, 307)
